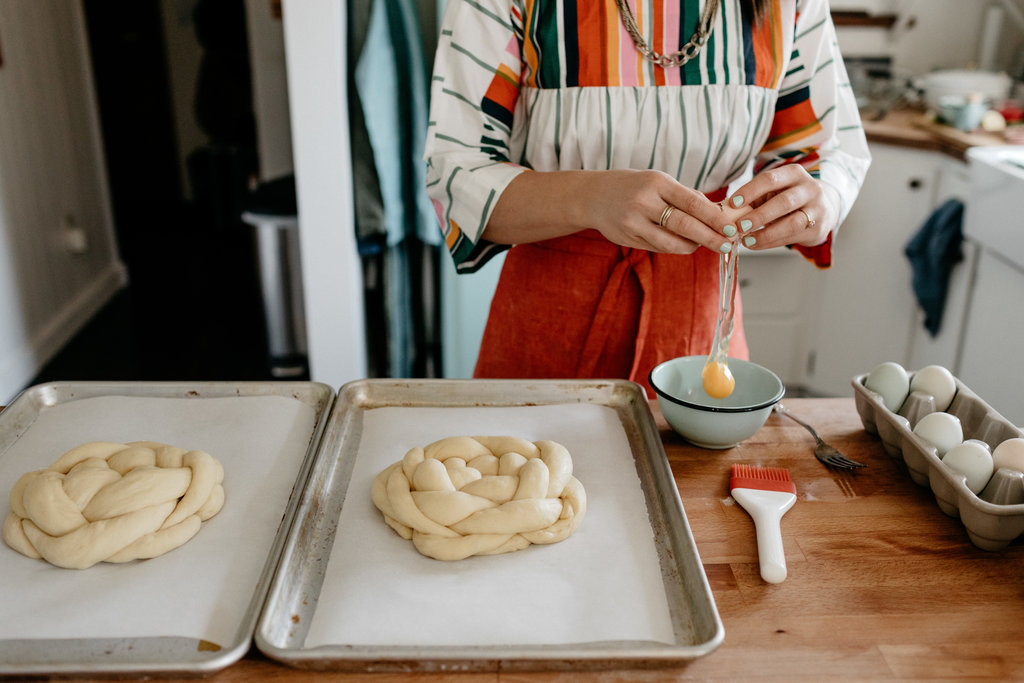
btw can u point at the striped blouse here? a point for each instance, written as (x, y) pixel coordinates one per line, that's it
(559, 85)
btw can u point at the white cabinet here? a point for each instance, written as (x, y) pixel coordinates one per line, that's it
(777, 289)
(991, 362)
(866, 311)
(944, 348)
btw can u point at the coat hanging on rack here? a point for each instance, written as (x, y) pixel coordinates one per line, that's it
(395, 224)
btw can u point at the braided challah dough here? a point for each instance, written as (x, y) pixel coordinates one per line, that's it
(112, 502)
(483, 495)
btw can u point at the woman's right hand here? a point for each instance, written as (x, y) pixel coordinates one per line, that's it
(628, 207)
(651, 210)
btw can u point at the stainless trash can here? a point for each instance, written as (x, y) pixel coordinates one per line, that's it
(272, 212)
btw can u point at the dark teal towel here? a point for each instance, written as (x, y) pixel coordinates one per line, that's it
(933, 252)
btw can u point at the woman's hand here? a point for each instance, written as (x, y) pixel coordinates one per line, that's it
(629, 208)
(651, 210)
(788, 206)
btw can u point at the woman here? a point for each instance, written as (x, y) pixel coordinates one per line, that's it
(607, 147)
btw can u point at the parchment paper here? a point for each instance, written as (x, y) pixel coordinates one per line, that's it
(602, 583)
(201, 589)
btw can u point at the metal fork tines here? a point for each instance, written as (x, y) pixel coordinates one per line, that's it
(824, 452)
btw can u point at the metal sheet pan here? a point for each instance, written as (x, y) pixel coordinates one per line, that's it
(292, 600)
(154, 655)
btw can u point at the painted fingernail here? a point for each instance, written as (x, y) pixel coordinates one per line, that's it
(729, 230)
(737, 200)
(749, 240)
(746, 225)
(725, 248)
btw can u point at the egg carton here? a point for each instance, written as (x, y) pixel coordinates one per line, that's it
(993, 518)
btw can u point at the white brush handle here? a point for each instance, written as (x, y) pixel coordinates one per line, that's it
(767, 508)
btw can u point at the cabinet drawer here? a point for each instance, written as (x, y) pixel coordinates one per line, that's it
(774, 284)
(779, 345)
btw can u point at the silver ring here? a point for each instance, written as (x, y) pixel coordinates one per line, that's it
(665, 214)
(810, 221)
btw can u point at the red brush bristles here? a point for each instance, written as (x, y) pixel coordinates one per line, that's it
(763, 478)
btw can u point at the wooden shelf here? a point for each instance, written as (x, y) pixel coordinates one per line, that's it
(855, 18)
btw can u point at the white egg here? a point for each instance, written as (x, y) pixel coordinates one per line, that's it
(890, 381)
(941, 430)
(973, 460)
(937, 382)
(1009, 454)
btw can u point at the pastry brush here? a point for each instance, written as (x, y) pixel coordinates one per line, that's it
(766, 493)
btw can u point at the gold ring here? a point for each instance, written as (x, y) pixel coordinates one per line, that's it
(665, 214)
(810, 221)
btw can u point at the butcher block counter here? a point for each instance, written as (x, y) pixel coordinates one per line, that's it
(913, 127)
(881, 586)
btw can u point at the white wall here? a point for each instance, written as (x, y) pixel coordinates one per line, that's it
(932, 34)
(58, 259)
(314, 38)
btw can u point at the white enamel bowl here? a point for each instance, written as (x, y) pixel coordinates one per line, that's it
(709, 422)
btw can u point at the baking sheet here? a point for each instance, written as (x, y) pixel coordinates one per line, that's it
(627, 589)
(193, 609)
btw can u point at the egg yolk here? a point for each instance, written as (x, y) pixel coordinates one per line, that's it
(718, 379)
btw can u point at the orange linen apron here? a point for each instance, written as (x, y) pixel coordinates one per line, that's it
(583, 307)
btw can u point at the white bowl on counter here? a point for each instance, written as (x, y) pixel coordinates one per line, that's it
(712, 422)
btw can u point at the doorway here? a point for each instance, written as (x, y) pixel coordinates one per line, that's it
(192, 309)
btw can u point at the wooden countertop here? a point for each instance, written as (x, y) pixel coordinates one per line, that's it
(881, 584)
(913, 128)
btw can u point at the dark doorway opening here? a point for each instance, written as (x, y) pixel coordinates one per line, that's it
(192, 309)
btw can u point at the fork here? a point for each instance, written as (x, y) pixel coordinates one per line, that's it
(824, 452)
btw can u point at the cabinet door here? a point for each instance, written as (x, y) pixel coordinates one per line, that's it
(867, 311)
(777, 288)
(991, 362)
(943, 349)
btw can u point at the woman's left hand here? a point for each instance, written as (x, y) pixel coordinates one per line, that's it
(787, 206)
